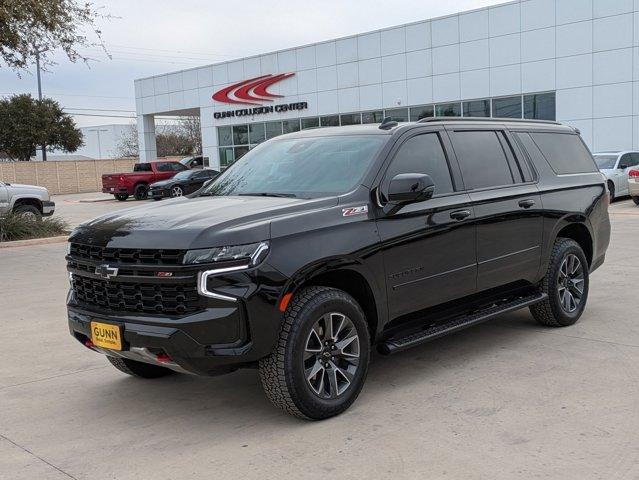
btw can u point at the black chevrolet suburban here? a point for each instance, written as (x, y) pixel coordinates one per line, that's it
(318, 246)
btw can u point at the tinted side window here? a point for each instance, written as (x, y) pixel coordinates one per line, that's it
(565, 152)
(142, 167)
(626, 160)
(423, 154)
(635, 159)
(482, 159)
(171, 167)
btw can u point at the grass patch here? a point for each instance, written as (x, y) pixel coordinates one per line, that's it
(21, 227)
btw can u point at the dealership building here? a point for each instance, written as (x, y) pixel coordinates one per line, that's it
(575, 61)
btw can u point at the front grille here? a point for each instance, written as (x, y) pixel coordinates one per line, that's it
(136, 297)
(140, 256)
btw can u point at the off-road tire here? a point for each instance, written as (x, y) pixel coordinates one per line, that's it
(121, 196)
(141, 191)
(282, 372)
(636, 200)
(28, 210)
(139, 369)
(550, 312)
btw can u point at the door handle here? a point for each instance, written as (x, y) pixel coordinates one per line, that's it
(526, 203)
(460, 214)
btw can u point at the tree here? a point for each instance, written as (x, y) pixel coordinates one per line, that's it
(29, 27)
(26, 123)
(182, 139)
(190, 127)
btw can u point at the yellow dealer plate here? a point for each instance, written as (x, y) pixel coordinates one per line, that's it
(106, 336)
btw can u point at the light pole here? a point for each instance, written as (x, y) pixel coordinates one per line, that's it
(98, 130)
(37, 55)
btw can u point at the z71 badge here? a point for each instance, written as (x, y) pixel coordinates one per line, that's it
(350, 211)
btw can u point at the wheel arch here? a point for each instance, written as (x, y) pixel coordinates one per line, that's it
(353, 279)
(27, 201)
(580, 234)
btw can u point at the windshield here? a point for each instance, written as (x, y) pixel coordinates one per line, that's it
(300, 167)
(605, 161)
(184, 175)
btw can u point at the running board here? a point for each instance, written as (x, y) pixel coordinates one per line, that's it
(398, 344)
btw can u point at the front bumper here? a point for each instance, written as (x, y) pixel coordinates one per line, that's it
(48, 208)
(221, 337)
(159, 193)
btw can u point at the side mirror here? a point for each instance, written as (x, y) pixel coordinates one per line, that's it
(407, 188)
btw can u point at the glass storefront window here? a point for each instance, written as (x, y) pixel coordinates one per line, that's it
(397, 114)
(240, 152)
(540, 106)
(507, 107)
(423, 111)
(373, 117)
(224, 136)
(330, 121)
(226, 157)
(312, 122)
(448, 110)
(273, 129)
(351, 119)
(256, 133)
(290, 126)
(477, 108)
(240, 135)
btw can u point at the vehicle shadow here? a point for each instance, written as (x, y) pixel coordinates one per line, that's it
(236, 400)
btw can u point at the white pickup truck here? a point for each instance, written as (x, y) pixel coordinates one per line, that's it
(25, 199)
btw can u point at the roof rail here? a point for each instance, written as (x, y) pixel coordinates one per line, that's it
(485, 119)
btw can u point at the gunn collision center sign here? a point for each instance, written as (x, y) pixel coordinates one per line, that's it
(254, 91)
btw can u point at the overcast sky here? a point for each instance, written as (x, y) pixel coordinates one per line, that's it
(148, 37)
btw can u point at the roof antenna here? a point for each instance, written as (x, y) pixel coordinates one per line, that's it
(388, 123)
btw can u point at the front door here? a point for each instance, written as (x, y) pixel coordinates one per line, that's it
(428, 247)
(507, 207)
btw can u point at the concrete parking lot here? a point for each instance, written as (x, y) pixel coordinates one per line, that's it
(507, 399)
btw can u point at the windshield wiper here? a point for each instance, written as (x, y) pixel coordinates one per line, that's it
(268, 194)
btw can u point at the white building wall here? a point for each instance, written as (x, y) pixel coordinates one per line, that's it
(586, 50)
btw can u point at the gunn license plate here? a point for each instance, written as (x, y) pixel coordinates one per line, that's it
(106, 336)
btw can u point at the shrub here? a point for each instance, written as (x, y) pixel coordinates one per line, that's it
(22, 227)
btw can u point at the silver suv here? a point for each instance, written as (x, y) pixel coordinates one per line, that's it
(25, 199)
(615, 166)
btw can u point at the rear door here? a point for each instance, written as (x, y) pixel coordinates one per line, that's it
(428, 247)
(506, 203)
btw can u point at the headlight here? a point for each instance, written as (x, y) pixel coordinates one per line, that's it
(253, 253)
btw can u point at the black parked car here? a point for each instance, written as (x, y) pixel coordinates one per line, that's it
(181, 183)
(317, 246)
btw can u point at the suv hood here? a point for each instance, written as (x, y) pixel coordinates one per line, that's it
(199, 222)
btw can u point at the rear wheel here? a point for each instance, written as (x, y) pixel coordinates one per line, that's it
(636, 200)
(611, 189)
(319, 364)
(141, 191)
(139, 369)
(121, 196)
(566, 284)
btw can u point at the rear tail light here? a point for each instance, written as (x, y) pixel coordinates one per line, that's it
(633, 173)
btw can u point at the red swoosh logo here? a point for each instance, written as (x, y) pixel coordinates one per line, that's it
(251, 91)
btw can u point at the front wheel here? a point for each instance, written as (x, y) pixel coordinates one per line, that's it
(611, 189)
(320, 361)
(28, 212)
(176, 191)
(141, 192)
(566, 284)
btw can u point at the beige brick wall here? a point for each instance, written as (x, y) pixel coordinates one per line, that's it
(64, 177)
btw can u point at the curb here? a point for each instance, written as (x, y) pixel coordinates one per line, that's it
(93, 200)
(34, 241)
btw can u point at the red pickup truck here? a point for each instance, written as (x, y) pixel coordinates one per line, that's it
(121, 185)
